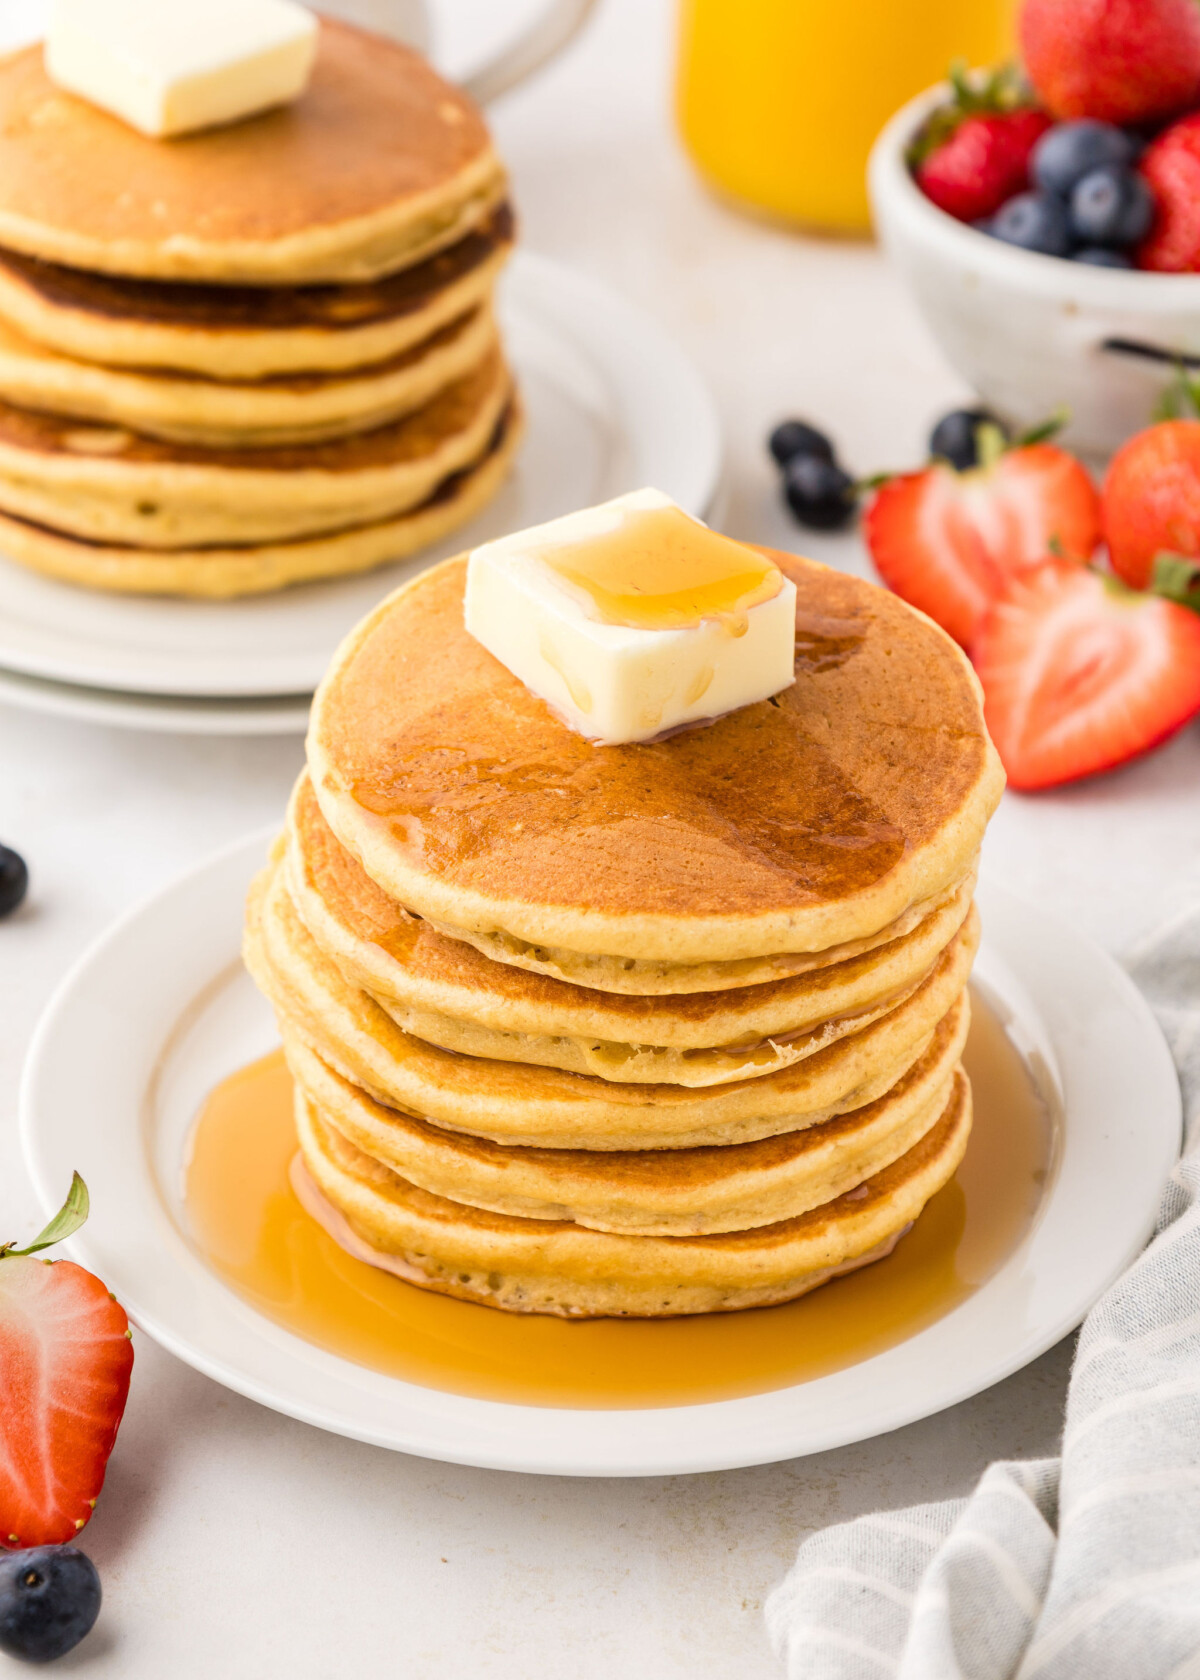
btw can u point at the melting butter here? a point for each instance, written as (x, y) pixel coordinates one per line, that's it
(632, 619)
(657, 569)
(578, 690)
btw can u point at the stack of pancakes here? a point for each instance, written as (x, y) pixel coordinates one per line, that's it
(650, 1029)
(254, 355)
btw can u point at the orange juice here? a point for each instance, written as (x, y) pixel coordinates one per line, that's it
(779, 101)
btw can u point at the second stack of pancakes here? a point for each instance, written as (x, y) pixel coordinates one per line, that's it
(255, 355)
(642, 1030)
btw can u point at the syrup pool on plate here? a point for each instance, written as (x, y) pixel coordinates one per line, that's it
(252, 1231)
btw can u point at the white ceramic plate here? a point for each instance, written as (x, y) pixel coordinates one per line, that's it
(160, 1010)
(162, 714)
(612, 405)
(486, 47)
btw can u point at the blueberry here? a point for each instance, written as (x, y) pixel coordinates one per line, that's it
(1064, 155)
(796, 437)
(1035, 222)
(1099, 257)
(14, 880)
(955, 438)
(49, 1599)
(818, 492)
(1111, 206)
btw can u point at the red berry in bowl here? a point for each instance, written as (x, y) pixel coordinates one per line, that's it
(1171, 168)
(983, 163)
(1121, 61)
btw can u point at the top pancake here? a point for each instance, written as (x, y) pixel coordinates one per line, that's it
(797, 823)
(378, 164)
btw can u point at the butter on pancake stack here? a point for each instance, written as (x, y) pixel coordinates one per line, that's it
(637, 1030)
(257, 354)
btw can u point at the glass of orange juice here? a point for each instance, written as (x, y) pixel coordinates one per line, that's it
(779, 101)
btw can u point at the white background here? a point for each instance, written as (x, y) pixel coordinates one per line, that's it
(236, 1545)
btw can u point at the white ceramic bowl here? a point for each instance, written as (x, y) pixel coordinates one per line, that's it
(1032, 333)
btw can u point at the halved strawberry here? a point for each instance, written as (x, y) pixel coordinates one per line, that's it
(65, 1359)
(947, 542)
(1080, 674)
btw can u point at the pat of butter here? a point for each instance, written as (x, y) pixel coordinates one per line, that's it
(169, 66)
(632, 618)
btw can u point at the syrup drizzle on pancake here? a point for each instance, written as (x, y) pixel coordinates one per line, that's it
(657, 569)
(793, 824)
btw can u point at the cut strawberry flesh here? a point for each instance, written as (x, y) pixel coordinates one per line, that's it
(1080, 676)
(65, 1360)
(948, 542)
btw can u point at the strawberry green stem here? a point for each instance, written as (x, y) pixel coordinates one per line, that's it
(1177, 578)
(65, 1223)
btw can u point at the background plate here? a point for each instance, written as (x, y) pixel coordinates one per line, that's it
(160, 1009)
(612, 405)
(281, 714)
(484, 45)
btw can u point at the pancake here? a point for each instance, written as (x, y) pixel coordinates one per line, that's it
(565, 1269)
(413, 970)
(401, 957)
(802, 822)
(249, 332)
(220, 573)
(642, 978)
(379, 164)
(112, 486)
(516, 1104)
(250, 414)
(624, 1063)
(655, 1192)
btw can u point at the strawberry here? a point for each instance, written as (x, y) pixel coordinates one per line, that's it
(1080, 674)
(973, 152)
(1151, 499)
(1171, 168)
(65, 1359)
(984, 163)
(1121, 61)
(948, 541)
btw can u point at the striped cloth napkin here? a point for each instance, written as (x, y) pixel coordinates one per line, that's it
(1084, 1567)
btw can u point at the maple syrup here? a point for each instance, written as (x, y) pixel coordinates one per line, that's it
(658, 569)
(251, 1229)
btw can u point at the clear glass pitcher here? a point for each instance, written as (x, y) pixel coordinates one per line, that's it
(778, 101)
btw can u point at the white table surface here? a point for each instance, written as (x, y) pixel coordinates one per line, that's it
(237, 1544)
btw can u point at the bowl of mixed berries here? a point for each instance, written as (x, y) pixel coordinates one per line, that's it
(1047, 217)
